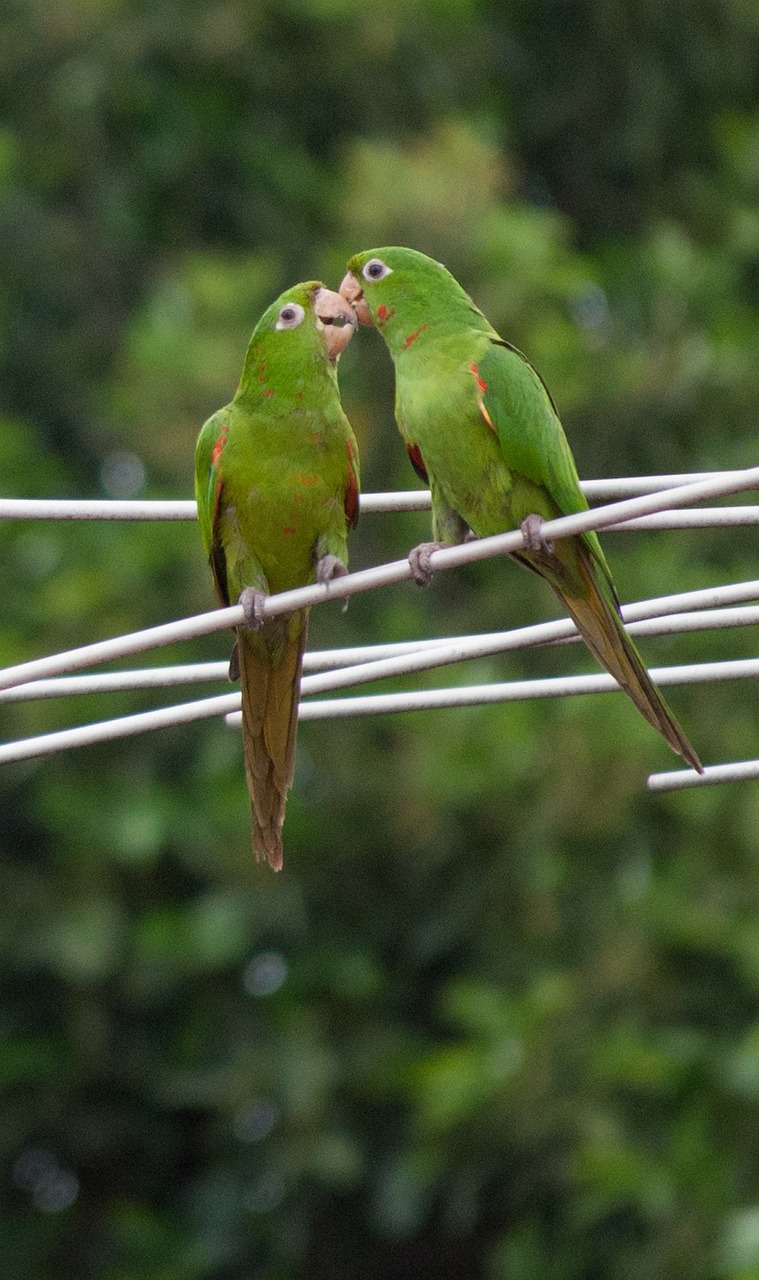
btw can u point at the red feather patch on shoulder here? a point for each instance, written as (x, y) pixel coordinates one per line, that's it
(350, 497)
(474, 370)
(221, 440)
(417, 462)
(482, 387)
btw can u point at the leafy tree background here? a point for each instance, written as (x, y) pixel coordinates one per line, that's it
(499, 1016)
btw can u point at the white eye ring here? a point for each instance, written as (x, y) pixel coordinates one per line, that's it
(375, 269)
(290, 316)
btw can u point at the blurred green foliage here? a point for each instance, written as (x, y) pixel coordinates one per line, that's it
(498, 1018)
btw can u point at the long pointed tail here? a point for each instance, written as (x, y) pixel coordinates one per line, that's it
(598, 621)
(270, 667)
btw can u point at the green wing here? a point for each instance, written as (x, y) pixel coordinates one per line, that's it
(527, 424)
(208, 495)
(525, 419)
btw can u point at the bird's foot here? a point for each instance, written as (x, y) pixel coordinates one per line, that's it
(329, 567)
(253, 603)
(531, 528)
(419, 559)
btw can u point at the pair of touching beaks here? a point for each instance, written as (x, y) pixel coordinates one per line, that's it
(340, 313)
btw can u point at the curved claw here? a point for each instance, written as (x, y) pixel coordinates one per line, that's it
(531, 528)
(419, 560)
(253, 603)
(234, 664)
(329, 567)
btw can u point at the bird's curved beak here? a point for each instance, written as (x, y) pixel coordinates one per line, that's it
(337, 318)
(353, 293)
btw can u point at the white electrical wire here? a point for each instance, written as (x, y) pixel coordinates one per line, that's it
(410, 500)
(123, 727)
(382, 575)
(341, 668)
(439, 652)
(75, 510)
(95, 509)
(380, 661)
(516, 691)
(678, 780)
(374, 704)
(699, 518)
(181, 509)
(116, 681)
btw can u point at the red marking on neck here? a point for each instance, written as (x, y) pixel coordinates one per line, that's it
(307, 479)
(412, 337)
(476, 375)
(289, 529)
(384, 313)
(268, 392)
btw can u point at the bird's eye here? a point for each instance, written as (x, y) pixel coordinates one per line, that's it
(374, 269)
(290, 316)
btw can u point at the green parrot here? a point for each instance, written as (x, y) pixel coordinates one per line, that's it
(481, 429)
(277, 487)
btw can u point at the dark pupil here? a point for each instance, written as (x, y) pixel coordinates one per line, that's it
(288, 313)
(375, 270)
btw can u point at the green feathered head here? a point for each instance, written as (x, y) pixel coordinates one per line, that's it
(314, 316)
(407, 296)
(299, 337)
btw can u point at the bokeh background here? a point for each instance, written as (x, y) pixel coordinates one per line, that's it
(498, 1018)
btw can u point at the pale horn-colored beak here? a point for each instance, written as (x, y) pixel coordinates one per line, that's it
(351, 290)
(338, 318)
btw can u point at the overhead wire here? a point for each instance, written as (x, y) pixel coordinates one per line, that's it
(658, 504)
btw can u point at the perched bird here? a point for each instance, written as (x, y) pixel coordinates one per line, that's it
(481, 428)
(277, 487)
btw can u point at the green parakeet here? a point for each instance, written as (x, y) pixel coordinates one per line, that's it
(277, 487)
(481, 428)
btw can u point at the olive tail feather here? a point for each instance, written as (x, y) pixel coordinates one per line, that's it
(270, 678)
(601, 627)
